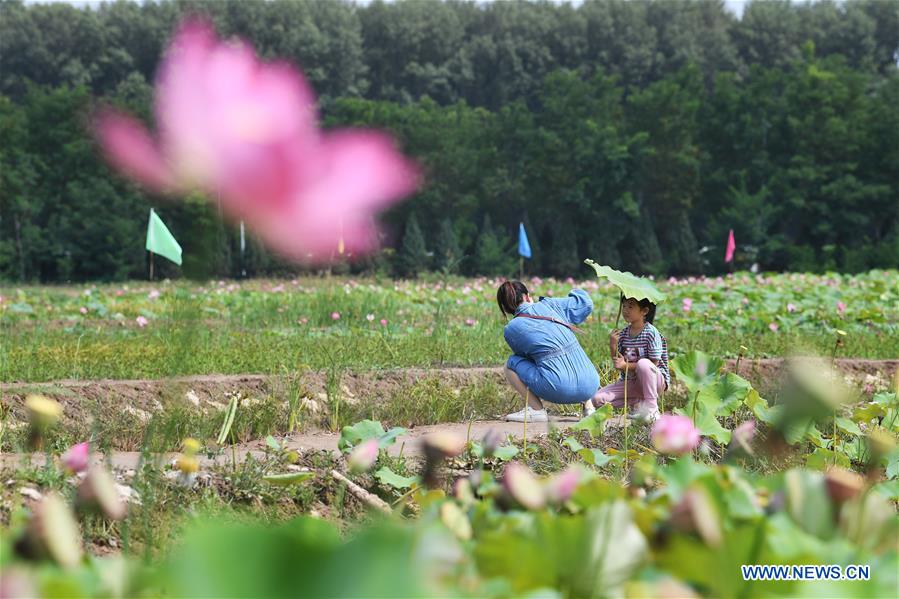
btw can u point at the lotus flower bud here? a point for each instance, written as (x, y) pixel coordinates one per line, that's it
(98, 493)
(842, 485)
(437, 447)
(521, 484)
(675, 435)
(696, 513)
(52, 532)
(363, 457)
(492, 440)
(77, 458)
(43, 414)
(561, 485)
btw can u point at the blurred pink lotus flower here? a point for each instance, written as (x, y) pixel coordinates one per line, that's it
(470, 322)
(154, 293)
(83, 310)
(364, 456)
(674, 434)
(521, 484)
(335, 315)
(77, 457)
(687, 304)
(141, 321)
(773, 326)
(791, 307)
(841, 308)
(246, 134)
(383, 322)
(560, 486)
(742, 436)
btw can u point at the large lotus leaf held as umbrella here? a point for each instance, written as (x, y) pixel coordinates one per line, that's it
(630, 284)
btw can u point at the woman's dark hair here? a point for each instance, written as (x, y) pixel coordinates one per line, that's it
(643, 303)
(510, 295)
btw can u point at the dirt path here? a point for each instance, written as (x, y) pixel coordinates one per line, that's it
(208, 392)
(408, 444)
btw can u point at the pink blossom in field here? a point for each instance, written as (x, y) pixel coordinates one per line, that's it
(687, 304)
(841, 308)
(154, 293)
(743, 435)
(383, 322)
(674, 434)
(560, 486)
(246, 134)
(83, 310)
(76, 458)
(335, 315)
(470, 322)
(773, 326)
(791, 308)
(141, 321)
(364, 456)
(303, 320)
(119, 293)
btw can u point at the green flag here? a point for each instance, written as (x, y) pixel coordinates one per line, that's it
(160, 240)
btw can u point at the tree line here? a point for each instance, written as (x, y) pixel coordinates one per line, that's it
(636, 133)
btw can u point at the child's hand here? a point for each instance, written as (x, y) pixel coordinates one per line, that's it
(613, 339)
(620, 363)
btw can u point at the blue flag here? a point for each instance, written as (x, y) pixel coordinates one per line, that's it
(524, 248)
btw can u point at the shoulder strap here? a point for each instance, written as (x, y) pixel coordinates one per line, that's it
(571, 327)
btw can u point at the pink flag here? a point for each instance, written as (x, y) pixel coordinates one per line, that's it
(731, 246)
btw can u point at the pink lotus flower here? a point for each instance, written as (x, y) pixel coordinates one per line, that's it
(335, 315)
(154, 293)
(791, 308)
(841, 308)
(83, 310)
(742, 436)
(561, 485)
(773, 326)
(77, 457)
(672, 434)
(246, 134)
(383, 322)
(687, 304)
(470, 322)
(141, 321)
(364, 456)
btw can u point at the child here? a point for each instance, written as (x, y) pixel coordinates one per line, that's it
(641, 355)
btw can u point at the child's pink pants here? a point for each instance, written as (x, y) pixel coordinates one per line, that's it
(645, 388)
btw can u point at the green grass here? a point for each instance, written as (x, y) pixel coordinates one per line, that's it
(47, 355)
(269, 327)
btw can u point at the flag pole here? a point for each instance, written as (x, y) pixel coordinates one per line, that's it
(151, 265)
(520, 268)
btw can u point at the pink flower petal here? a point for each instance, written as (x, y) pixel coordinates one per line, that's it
(130, 148)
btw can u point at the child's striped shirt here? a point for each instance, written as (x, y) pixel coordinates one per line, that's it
(647, 344)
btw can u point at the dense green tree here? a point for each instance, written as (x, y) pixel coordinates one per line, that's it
(448, 254)
(633, 132)
(412, 259)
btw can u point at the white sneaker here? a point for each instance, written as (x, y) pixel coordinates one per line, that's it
(588, 408)
(532, 415)
(645, 414)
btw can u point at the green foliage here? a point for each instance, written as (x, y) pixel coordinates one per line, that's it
(637, 134)
(412, 258)
(351, 436)
(493, 253)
